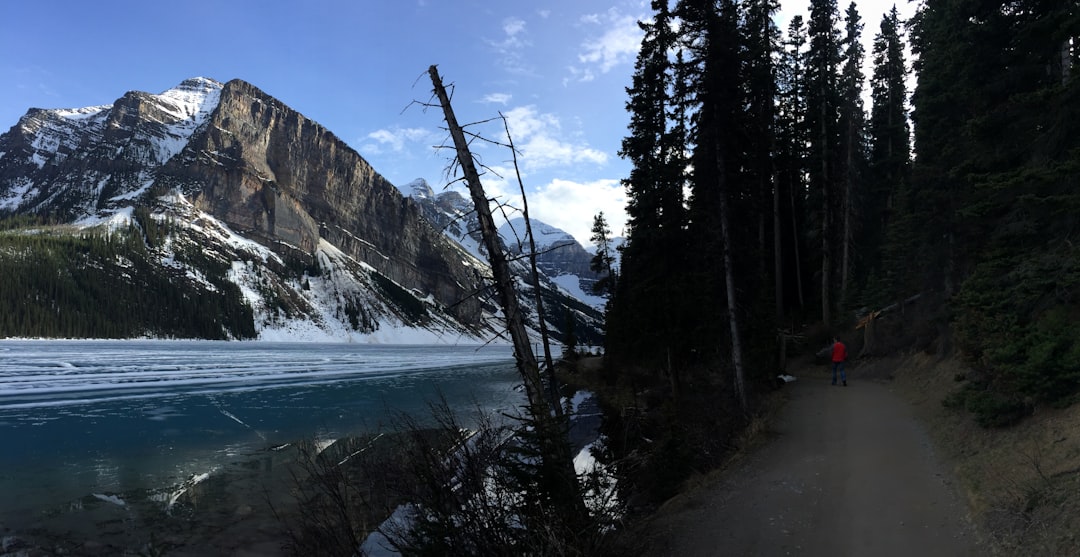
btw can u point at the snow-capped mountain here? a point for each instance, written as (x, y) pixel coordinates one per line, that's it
(46, 160)
(562, 262)
(558, 255)
(229, 190)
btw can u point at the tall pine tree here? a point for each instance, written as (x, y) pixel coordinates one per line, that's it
(645, 305)
(852, 125)
(823, 129)
(791, 160)
(890, 165)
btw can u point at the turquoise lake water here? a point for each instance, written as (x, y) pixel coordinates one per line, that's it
(103, 423)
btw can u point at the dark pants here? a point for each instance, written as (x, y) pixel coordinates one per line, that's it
(838, 366)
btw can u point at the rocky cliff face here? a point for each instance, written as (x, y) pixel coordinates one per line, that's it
(265, 168)
(243, 157)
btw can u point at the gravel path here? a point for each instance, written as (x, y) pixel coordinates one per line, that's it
(849, 473)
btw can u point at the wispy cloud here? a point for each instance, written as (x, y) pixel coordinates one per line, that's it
(511, 45)
(497, 98)
(617, 43)
(393, 139)
(538, 137)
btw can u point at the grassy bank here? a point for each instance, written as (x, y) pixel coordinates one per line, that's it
(1021, 482)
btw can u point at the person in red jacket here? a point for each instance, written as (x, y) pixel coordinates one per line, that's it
(839, 356)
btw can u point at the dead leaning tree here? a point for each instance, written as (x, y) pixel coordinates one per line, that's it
(549, 422)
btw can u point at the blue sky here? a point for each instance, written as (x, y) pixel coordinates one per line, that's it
(557, 70)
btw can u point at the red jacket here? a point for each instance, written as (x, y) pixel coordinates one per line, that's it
(839, 352)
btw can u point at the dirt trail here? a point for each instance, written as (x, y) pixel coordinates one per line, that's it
(849, 472)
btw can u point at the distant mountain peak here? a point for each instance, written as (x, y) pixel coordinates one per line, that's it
(194, 98)
(419, 189)
(545, 236)
(197, 83)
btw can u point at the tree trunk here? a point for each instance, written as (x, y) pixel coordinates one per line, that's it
(729, 280)
(845, 262)
(551, 431)
(826, 261)
(1066, 60)
(826, 212)
(504, 280)
(796, 254)
(549, 365)
(778, 257)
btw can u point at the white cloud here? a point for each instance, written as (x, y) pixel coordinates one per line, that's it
(513, 27)
(571, 206)
(510, 47)
(497, 98)
(393, 139)
(618, 44)
(538, 138)
(564, 204)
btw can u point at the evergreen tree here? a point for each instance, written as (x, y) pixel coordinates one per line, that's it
(711, 34)
(760, 45)
(725, 203)
(791, 159)
(823, 136)
(998, 140)
(890, 160)
(852, 124)
(644, 304)
(603, 263)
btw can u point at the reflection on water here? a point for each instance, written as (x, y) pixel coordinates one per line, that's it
(112, 442)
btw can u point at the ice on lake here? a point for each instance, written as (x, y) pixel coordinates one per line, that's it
(95, 427)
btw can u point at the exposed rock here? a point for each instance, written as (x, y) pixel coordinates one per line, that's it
(242, 156)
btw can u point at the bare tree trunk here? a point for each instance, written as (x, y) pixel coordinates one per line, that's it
(826, 213)
(1066, 60)
(778, 257)
(797, 255)
(555, 449)
(826, 263)
(762, 241)
(553, 387)
(729, 280)
(845, 265)
(504, 281)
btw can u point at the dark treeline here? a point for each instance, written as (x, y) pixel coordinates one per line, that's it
(765, 196)
(58, 284)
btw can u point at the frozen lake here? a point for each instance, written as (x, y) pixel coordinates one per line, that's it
(88, 423)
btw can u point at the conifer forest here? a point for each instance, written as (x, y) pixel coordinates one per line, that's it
(785, 177)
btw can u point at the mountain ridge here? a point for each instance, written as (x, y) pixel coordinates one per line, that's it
(560, 257)
(230, 153)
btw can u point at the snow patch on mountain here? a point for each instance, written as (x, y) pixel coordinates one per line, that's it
(191, 104)
(572, 285)
(21, 189)
(342, 280)
(562, 261)
(545, 236)
(60, 131)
